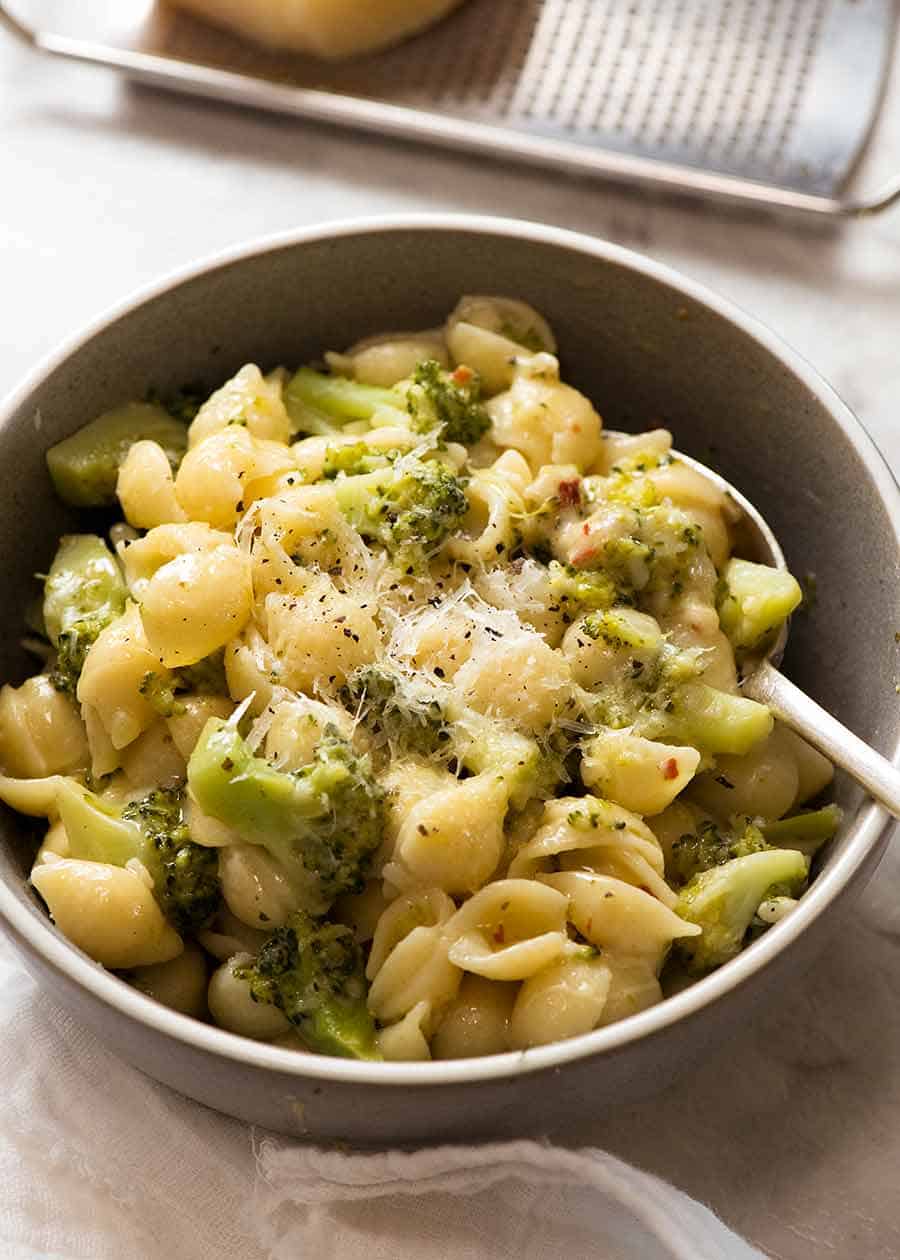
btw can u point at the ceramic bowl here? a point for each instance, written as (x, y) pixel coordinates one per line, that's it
(650, 347)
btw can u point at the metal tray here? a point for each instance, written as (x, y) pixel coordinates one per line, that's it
(766, 102)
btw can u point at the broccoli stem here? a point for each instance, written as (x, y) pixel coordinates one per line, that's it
(342, 1028)
(327, 815)
(246, 792)
(85, 467)
(318, 403)
(715, 721)
(755, 602)
(807, 831)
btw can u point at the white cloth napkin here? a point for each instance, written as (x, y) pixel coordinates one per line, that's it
(97, 1162)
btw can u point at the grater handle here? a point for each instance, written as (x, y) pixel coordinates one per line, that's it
(17, 28)
(883, 199)
(409, 124)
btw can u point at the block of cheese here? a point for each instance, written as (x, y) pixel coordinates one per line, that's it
(325, 28)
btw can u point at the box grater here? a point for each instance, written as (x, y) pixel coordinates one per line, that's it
(767, 102)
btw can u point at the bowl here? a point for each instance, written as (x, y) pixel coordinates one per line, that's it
(650, 348)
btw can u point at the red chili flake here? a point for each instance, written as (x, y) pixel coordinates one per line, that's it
(585, 529)
(500, 935)
(570, 493)
(462, 375)
(670, 768)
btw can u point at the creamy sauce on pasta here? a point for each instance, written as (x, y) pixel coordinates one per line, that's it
(412, 647)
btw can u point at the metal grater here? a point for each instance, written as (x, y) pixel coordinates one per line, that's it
(757, 101)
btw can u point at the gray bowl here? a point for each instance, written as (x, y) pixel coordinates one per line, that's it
(649, 347)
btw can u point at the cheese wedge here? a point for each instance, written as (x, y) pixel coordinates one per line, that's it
(332, 29)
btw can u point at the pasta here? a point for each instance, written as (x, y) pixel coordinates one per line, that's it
(401, 716)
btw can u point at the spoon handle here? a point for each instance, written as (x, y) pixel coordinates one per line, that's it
(790, 705)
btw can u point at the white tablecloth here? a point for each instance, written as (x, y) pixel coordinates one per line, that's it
(97, 1162)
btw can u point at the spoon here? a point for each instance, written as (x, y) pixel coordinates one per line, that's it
(762, 681)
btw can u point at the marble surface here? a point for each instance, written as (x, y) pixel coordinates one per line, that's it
(791, 1133)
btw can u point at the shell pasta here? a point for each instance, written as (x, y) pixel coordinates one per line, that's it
(400, 716)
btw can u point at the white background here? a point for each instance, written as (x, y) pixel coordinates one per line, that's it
(792, 1132)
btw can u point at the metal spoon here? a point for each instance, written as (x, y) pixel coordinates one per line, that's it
(762, 681)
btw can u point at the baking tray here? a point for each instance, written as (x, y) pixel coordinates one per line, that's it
(761, 102)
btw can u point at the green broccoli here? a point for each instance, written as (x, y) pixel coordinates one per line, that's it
(711, 845)
(160, 693)
(313, 972)
(657, 690)
(806, 831)
(754, 602)
(416, 715)
(84, 468)
(183, 404)
(714, 721)
(327, 815)
(724, 899)
(206, 678)
(529, 769)
(406, 712)
(581, 589)
(353, 459)
(185, 874)
(449, 401)
(320, 403)
(83, 592)
(409, 509)
(647, 548)
(72, 648)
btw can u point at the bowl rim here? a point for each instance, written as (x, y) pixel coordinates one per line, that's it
(870, 826)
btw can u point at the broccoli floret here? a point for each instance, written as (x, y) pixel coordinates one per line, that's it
(353, 459)
(581, 588)
(159, 692)
(85, 467)
(152, 830)
(407, 713)
(185, 874)
(724, 899)
(449, 401)
(183, 404)
(313, 972)
(72, 647)
(83, 592)
(415, 715)
(207, 677)
(711, 845)
(643, 549)
(320, 403)
(327, 815)
(339, 852)
(529, 769)
(409, 509)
